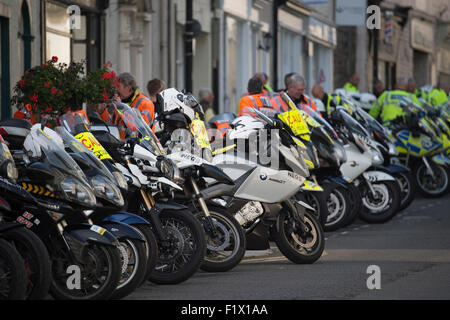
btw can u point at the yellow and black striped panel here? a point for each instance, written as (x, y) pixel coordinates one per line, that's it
(39, 190)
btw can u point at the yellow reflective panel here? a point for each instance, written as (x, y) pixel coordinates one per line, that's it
(198, 129)
(90, 142)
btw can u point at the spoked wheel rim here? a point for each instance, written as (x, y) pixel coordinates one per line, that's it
(435, 185)
(380, 202)
(226, 244)
(336, 207)
(177, 250)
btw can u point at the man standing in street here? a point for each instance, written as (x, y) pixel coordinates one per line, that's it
(388, 108)
(206, 97)
(295, 89)
(129, 94)
(378, 88)
(352, 84)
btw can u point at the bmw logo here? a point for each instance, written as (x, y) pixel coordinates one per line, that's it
(263, 176)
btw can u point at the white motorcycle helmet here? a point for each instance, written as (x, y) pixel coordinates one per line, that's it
(243, 127)
(174, 99)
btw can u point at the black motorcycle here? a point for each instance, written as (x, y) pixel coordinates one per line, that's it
(85, 257)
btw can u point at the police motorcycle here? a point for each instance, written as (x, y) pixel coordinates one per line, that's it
(110, 201)
(416, 140)
(342, 199)
(152, 181)
(436, 119)
(379, 190)
(184, 133)
(264, 214)
(24, 260)
(386, 146)
(85, 257)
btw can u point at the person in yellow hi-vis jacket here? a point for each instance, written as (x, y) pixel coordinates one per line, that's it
(387, 108)
(352, 84)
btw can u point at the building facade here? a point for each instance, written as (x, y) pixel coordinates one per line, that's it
(20, 37)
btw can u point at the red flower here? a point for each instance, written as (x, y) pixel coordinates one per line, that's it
(55, 59)
(22, 83)
(47, 85)
(116, 83)
(54, 91)
(108, 64)
(59, 92)
(34, 98)
(113, 75)
(48, 110)
(106, 76)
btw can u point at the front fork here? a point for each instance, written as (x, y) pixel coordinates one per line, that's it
(210, 228)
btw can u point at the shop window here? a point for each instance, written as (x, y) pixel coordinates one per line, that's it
(84, 43)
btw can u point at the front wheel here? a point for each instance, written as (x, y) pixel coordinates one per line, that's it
(301, 247)
(95, 278)
(383, 205)
(13, 276)
(432, 185)
(407, 187)
(134, 266)
(225, 250)
(37, 261)
(317, 200)
(180, 255)
(338, 208)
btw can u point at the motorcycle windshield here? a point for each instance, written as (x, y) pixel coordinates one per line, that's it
(77, 147)
(373, 123)
(351, 124)
(55, 156)
(320, 120)
(78, 126)
(5, 154)
(133, 120)
(74, 122)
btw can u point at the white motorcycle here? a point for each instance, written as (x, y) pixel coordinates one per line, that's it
(380, 191)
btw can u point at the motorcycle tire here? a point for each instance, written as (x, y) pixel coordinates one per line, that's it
(13, 276)
(390, 192)
(317, 200)
(355, 203)
(408, 188)
(292, 245)
(338, 208)
(151, 248)
(105, 257)
(36, 258)
(420, 173)
(186, 246)
(231, 242)
(134, 267)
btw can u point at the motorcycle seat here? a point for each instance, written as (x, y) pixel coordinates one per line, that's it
(16, 123)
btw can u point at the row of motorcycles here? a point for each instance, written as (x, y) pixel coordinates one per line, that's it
(93, 211)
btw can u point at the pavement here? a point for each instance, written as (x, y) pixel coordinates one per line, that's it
(410, 254)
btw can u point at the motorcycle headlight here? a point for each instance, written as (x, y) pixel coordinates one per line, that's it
(166, 167)
(120, 180)
(10, 171)
(75, 191)
(377, 157)
(105, 189)
(393, 150)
